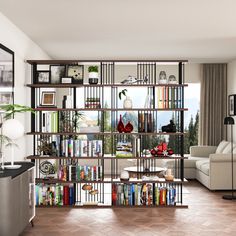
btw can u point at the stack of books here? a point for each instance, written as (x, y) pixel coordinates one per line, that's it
(92, 103)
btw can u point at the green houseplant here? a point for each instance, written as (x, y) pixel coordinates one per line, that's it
(93, 74)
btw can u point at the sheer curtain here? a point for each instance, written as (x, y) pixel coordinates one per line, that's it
(213, 105)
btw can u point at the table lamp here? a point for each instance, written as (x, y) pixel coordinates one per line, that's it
(13, 129)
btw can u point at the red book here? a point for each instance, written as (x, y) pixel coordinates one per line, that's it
(66, 195)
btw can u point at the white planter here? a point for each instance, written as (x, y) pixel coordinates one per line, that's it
(93, 75)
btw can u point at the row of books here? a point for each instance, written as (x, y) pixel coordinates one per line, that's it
(148, 194)
(169, 97)
(69, 147)
(49, 121)
(81, 148)
(77, 173)
(54, 195)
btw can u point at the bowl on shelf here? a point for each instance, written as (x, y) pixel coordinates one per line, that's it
(169, 177)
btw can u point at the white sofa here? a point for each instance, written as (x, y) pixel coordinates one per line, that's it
(210, 165)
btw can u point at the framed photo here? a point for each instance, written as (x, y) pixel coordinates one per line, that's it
(76, 72)
(48, 99)
(66, 80)
(57, 72)
(5, 98)
(43, 77)
(6, 67)
(232, 105)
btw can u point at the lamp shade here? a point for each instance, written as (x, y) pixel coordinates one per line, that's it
(228, 120)
(13, 129)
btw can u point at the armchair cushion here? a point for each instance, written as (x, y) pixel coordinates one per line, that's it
(227, 149)
(203, 166)
(222, 145)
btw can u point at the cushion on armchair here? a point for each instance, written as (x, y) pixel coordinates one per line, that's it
(222, 145)
(227, 149)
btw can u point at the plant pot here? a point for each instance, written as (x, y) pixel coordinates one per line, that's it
(93, 75)
(93, 80)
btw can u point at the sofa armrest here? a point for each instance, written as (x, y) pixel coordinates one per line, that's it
(219, 157)
(202, 151)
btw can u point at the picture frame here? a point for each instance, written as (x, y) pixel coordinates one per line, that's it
(43, 77)
(66, 80)
(232, 105)
(6, 68)
(76, 72)
(6, 98)
(48, 99)
(56, 73)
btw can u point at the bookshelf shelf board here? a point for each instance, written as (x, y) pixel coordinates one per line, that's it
(104, 158)
(102, 85)
(110, 206)
(103, 133)
(66, 62)
(109, 180)
(108, 109)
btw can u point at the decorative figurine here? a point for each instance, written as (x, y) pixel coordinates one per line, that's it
(170, 128)
(162, 78)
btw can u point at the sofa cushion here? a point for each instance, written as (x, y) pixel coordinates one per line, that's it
(203, 166)
(188, 163)
(227, 149)
(222, 145)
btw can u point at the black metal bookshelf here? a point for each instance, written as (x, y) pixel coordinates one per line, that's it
(68, 131)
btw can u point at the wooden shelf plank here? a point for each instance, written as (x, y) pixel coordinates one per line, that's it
(48, 62)
(103, 133)
(103, 158)
(101, 85)
(107, 109)
(111, 206)
(109, 180)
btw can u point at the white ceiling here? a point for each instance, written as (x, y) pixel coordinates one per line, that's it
(199, 30)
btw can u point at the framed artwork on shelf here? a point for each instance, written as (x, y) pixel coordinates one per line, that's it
(76, 72)
(66, 80)
(57, 72)
(232, 105)
(48, 99)
(43, 77)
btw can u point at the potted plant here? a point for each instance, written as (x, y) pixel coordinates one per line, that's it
(93, 74)
(127, 104)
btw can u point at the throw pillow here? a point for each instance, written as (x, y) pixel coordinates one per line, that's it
(227, 149)
(222, 145)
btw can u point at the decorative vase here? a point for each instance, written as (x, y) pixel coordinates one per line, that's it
(120, 126)
(128, 128)
(127, 104)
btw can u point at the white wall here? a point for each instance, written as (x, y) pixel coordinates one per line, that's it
(231, 89)
(24, 48)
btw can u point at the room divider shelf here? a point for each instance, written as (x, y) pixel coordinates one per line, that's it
(59, 148)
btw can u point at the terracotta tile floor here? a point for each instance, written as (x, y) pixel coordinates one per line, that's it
(208, 214)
